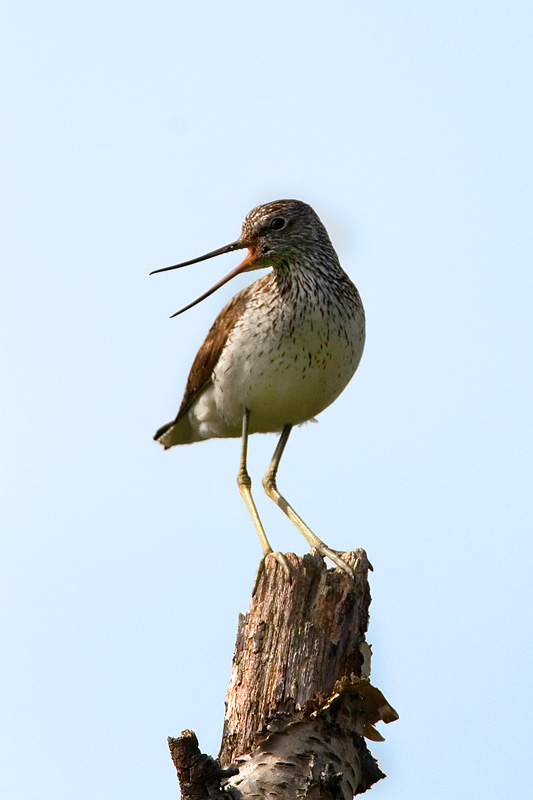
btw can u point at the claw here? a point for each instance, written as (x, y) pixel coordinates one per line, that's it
(333, 555)
(280, 558)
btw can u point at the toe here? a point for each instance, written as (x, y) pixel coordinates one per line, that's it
(280, 558)
(334, 555)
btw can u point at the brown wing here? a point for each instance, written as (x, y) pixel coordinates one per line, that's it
(209, 353)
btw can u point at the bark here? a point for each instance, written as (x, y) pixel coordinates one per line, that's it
(299, 703)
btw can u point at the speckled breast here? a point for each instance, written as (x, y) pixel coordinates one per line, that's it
(288, 367)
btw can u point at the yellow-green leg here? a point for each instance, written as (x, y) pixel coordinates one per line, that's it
(269, 484)
(244, 482)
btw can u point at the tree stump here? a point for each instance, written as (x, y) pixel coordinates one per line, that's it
(299, 703)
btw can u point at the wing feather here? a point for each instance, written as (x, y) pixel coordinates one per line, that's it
(209, 353)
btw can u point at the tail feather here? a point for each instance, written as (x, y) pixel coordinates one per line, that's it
(179, 431)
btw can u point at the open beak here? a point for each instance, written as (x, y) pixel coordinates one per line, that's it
(242, 267)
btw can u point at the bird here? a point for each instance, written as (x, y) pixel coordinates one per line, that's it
(280, 351)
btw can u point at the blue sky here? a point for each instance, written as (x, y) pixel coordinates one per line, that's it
(136, 135)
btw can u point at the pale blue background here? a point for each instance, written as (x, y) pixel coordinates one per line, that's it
(137, 134)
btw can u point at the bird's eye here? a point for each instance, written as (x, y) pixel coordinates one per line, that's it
(277, 224)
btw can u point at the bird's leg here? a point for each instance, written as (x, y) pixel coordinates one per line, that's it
(244, 482)
(269, 484)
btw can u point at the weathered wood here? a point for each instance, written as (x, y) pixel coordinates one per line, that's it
(199, 775)
(299, 701)
(298, 638)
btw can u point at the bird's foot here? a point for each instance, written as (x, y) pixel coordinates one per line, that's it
(280, 558)
(334, 555)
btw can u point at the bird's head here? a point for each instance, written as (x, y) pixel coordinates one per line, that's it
(276, 235)
(280, 231)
